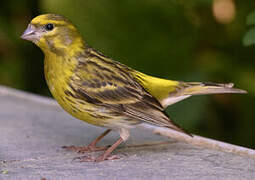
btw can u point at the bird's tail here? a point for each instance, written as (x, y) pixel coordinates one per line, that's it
(186, 89)
(197, 88)
(168, 92)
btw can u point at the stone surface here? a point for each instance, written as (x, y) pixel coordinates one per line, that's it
(33, 130)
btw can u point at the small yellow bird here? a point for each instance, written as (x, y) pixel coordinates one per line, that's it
(101, 91)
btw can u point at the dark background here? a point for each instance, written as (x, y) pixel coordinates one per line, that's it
(200, 40)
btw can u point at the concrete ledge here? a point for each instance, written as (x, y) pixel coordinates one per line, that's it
(33, 129)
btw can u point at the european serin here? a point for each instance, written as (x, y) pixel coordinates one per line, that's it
(101, 91)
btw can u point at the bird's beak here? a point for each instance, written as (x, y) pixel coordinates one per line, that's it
(30, 34)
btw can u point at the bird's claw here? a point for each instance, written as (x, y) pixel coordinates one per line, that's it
(85, 149)
(96, 159)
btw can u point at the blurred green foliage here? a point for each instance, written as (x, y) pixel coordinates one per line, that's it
(172, 39)
(249, 38)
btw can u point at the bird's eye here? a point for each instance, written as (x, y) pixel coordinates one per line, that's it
(49, 27)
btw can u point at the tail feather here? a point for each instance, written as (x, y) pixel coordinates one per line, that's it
(210, 88)
(187, 89)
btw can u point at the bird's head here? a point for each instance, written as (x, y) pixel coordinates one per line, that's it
(53, 33)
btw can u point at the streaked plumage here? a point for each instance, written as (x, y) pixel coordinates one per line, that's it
(103, 92)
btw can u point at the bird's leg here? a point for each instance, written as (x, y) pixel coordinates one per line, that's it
(106, 155)
(91, 147)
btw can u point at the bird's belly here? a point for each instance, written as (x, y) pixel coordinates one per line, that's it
(81, 109)
(70, 104)
(95, 115)
(88, 112)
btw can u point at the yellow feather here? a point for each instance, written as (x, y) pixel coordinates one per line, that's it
(159, 88)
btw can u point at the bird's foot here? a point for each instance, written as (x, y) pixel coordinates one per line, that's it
(96, 159)
(84, 149)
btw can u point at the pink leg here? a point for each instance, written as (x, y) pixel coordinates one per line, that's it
(91, 147)
(106, 155)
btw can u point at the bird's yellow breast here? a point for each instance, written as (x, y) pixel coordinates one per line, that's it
(58, 71)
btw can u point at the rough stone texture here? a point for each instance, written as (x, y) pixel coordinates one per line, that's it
(33, 130)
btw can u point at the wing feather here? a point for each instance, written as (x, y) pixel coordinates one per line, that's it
(109, 84)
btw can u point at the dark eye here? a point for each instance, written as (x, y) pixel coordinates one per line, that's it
(49, 27)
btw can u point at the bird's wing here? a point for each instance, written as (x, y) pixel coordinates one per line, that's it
(109, 84)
